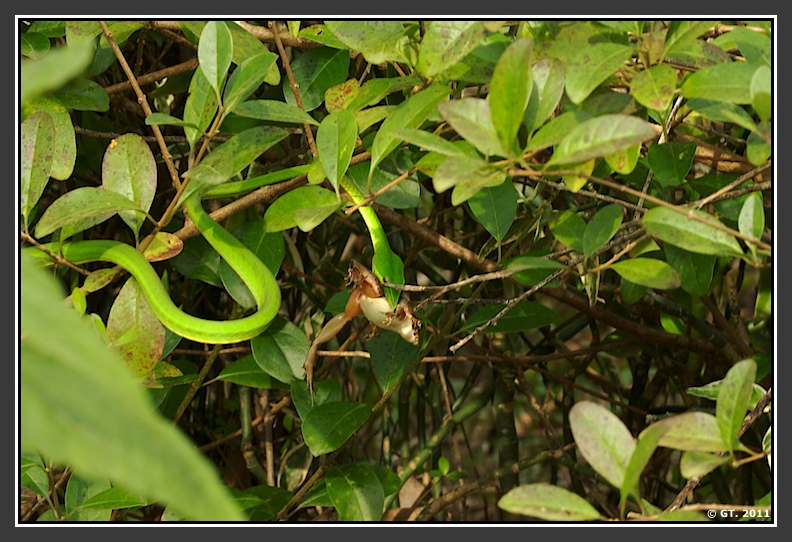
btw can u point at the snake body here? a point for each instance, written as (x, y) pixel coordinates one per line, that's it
(258, 278)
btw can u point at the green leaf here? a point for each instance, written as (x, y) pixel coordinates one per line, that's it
(63, 146)
(246, 372)
(730, 82)
(248, 76)
(699, 54)
(390, 357)
(471, 119)
(199, 261)
(35, 134)
(90, 415)
(624, 161)
(82, 95)
(114, 498)
(752, 217)
(734, 399)
(427, 141)
(554, 131)
(547, 502)
(722, 112)
(495, 208)
(525, 315)
(694, 463)
(129, 169)
(762, 93)
(246, 45)
(162, 118)
(546, 92)
(374, 91)
(134, 329)
(603, 440)
(682, 516)
(280, 351)
(81, 209)
(78, 490)
(335, 141)
(648, 272)
(697, 431)
(470, 173)
(275, 111)
(510, 91)
(445, 43)
(33, 45)
(578, 175)
(710, 391)
(757, 147)
(694, 235)
(236, 154)
(671, 162)
(199, 108)
(754, 46)
(682, 32)
(569, 228)
(53, 70)
(315, 71)
(405, 195)
(601, 228)
(262, 502)
(695, 270)
(321, 34)
(378, 41)
(327, 426)
(531, 270)
(655, 88)
(411, 113)
(601, 136)
(356, 492)
(325, 392)
(339, 97)
(644, 449)
(215, 49)
(305, 206)
(367, 118)
(592, 66)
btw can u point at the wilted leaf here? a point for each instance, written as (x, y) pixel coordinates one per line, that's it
(602, 439)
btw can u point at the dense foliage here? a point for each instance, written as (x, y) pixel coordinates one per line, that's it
(579, 213)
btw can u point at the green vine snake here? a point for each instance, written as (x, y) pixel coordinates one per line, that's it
(258, 278)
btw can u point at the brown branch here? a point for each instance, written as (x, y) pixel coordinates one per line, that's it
(471, 258)
(186, 66)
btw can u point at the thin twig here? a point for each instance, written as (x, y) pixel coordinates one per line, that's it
(294, 86)
(378, 193)
(518, 172)
(152, 77)
(729, 187)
